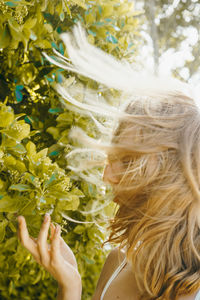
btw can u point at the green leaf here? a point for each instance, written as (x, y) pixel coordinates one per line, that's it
(28, 120)
(19, 87)
(55, 110)
(99, 23)
(19, 116)
(10, 244)
(2, 186)
(8, 204)
(19, 148)
(54, 153)
(77, 192)
(3, 225)
(20, 167)
(54, 131)
(130, 45)
(28, 208)
(18, 131)
(20, 187)
(116, 27)
(49, 79)
(65, 118)
(37, 278)
(60, 79)
(110, 38)
(18, 95)
(12, 227)
(59, 8)
(6, 118)
(92, 32)
(62, 16)
(100, 9)
(43, 44)
(79, 229)
(53, 44)
(61, 49)
(59, 30)
(108, 20)
(30, 23)
(80, 3)
(72, 203)
(11, 4)
(5, 37)
(34, 132)
(9, 161)
(52, 178)
(88, 260)
(41, 154)
(31, 148)
(33, 37)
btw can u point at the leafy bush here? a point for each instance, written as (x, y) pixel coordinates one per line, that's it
(34, 128)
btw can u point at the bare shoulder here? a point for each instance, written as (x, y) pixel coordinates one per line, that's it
(113, 260)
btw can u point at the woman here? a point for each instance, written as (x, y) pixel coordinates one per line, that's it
(153, 167)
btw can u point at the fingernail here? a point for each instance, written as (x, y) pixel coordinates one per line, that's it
(46, 218)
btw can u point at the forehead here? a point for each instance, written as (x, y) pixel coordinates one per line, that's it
(124, 141)
(117, 153)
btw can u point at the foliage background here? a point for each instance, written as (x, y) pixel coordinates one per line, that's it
(34, 127)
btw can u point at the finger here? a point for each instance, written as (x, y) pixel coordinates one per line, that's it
(55, 247)
(62, 242)
(65, 250)
(42, 241)
(52, 227)
(25, 239)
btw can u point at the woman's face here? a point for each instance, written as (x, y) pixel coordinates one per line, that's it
(116, 164)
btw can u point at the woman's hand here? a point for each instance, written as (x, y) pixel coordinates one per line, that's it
(57, 258)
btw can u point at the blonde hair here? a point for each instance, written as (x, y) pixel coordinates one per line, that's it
(156, 136)
(158, 194)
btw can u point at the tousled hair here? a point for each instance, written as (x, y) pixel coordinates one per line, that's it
(156, 137)
(158, 194)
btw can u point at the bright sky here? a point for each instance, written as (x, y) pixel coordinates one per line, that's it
(171, 59)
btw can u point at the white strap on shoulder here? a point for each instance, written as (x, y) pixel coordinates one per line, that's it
(197, 296)
(113, 277)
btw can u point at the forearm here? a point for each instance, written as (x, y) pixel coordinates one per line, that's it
(66, 294)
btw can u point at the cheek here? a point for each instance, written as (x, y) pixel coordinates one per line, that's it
(106, 173)
(110, 174)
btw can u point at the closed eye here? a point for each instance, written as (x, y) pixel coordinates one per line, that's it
(126, 160)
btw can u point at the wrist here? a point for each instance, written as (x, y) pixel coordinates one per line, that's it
(70, 292)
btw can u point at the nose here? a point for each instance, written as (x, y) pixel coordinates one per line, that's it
(109, 176)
